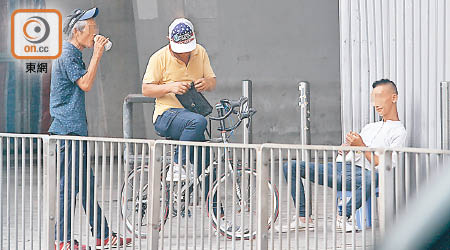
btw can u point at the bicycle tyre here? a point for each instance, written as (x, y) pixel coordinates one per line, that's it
(124, 206)
(213, 193)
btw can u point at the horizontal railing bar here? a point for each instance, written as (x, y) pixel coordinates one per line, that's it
(419, 150)
(210, 144)
(100, 139)
(319, 147)
(138, 98)
(14, 135)
(347, 148)
(231, 145)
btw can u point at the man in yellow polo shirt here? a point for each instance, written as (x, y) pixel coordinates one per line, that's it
(170, 71)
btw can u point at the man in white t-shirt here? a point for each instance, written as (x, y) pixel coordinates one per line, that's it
(388, 133)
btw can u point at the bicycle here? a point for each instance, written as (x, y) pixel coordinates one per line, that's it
(243, 180)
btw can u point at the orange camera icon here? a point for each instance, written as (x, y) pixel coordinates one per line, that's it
(36, 34)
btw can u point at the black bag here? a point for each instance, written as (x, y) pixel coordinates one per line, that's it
(195, 101)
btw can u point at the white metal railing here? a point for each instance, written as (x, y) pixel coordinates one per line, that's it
(212, 219)
(320, 216)
(414, 171)
(445, 114)
(249, 197)
(22, 193)
(113, 200)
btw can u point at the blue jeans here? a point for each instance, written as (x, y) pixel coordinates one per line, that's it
(320, 168)
(183, 125)
(68, 147)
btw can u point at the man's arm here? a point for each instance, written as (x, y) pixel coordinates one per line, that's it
(376, 159)
(205, 84)
(354, 139)
(87, 81)
(158, 90)
(208, 81)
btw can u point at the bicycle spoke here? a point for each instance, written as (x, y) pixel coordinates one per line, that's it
(140, 206)
(242, 200)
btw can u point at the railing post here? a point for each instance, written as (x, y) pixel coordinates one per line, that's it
(247, 128)
(387, 190)
(153, 209)
(128, 112)
(247, 92)
(305, 114)
(127, 119)
(262, 190)
(49, 198)
(305, 123)
(445, 114)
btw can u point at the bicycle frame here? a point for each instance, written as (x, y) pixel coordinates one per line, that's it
(224, 109)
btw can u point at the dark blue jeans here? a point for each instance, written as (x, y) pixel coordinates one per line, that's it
(63, 176)
(183, 125)
(339, 173)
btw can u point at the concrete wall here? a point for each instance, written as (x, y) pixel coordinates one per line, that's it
(275, 45)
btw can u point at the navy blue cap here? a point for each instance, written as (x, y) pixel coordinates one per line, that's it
(78, 15)
(89, 14)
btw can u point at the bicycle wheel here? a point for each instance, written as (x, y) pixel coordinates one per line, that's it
(173, 205)
(135, 212)
(234, 208)
(186, 193)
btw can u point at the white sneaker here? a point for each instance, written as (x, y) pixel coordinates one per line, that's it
(229, 227)
(178, 173)
(348, 224)
(190, 168)
(292, 226)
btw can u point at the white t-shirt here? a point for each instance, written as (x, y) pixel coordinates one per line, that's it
(382, 134)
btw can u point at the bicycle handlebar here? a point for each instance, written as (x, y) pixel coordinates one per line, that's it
(229, 106)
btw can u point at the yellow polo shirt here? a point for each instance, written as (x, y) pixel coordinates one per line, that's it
(164, 68)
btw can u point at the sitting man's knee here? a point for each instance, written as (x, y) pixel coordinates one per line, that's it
(200, 122)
